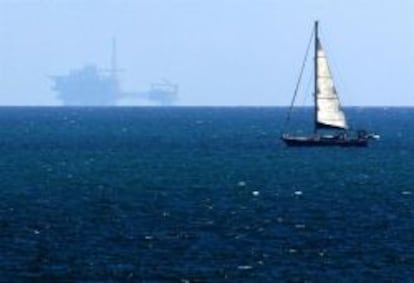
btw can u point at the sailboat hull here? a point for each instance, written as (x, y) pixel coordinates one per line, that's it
(324, 141)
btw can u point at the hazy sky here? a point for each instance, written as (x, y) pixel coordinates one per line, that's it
(220, 52)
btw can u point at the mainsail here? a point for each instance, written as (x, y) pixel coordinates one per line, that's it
(329, 113)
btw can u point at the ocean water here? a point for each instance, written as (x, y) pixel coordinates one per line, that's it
(201, 195)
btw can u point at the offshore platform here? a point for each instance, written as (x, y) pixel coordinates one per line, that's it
(92, 86)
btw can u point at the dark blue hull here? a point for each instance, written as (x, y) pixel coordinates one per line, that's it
(324, 141)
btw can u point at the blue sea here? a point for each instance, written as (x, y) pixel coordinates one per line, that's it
(201, 195)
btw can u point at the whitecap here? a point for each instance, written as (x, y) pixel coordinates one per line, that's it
(241, 184)
(244, 267)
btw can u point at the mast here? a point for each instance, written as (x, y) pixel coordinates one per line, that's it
(315, 94)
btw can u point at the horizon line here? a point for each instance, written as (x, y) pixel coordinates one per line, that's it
(193, 106)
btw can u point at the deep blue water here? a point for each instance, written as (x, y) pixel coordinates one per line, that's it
(201, 195)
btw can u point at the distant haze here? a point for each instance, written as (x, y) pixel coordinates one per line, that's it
(220, 52)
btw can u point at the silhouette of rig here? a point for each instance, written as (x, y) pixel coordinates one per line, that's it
(91, 86)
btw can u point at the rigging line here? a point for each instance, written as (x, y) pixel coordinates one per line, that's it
(307, 90)
(298, 82)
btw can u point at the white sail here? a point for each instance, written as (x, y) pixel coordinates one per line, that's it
(329, 111)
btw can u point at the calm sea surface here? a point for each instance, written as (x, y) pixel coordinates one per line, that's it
(201, 195)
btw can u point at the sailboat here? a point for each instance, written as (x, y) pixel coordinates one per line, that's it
(330, 124)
